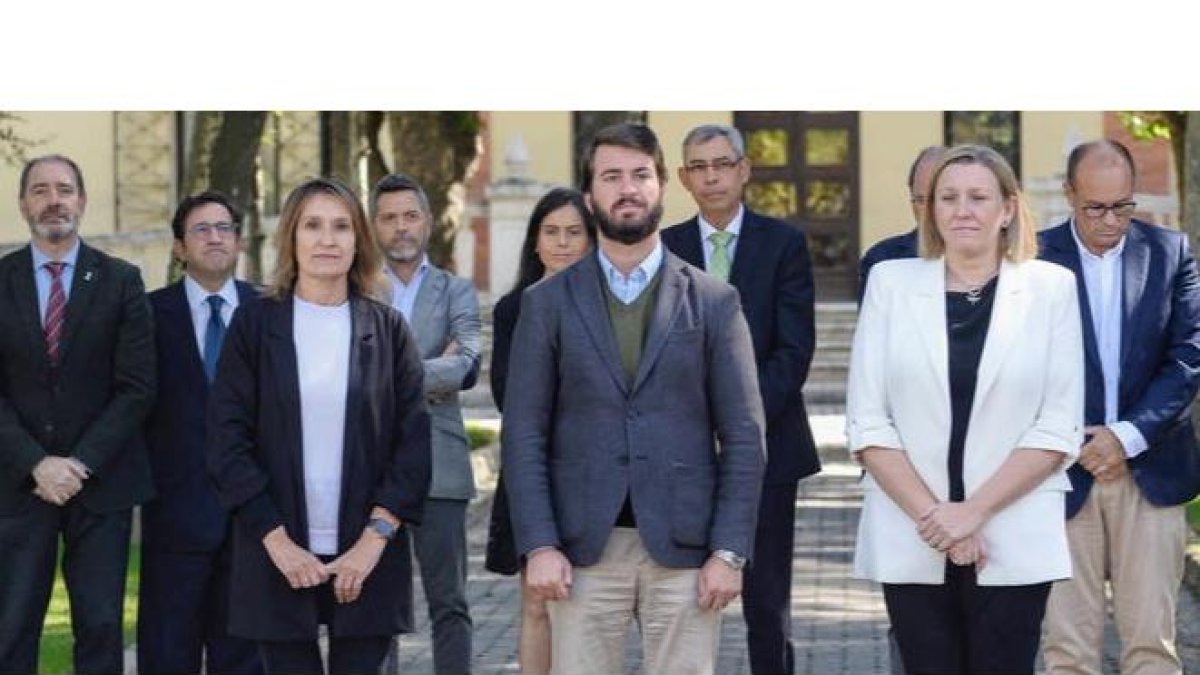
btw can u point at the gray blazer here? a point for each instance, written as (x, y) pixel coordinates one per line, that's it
(446, 310)
(685, 441)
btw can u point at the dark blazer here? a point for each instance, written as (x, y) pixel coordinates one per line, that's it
(501, 556)
(94, 405)
(893, 248)
(1160, 358)
(185, 516)
(580, 437)
(504, 322)
(773, 274)
(256, 462)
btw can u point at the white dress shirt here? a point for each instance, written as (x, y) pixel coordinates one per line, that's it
(627, 288)
(734, 227)
(1103, 278)
(197, 300)
(404, 296)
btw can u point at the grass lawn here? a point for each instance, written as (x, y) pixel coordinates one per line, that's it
(56, 635)
(1193, 513)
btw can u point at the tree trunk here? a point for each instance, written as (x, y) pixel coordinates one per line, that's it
(1189, 171)
(438, 150)
(370, 124)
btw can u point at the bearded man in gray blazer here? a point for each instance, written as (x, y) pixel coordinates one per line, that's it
(635, 440)
(443, 312)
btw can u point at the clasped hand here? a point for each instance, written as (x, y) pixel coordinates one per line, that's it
(58, 479)
(953, 528)
(302, 569)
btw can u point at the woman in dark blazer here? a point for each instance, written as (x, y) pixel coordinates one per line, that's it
(561, 231)
(319, 445)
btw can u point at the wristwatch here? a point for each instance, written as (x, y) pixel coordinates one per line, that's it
(737, 562)
(382, 528)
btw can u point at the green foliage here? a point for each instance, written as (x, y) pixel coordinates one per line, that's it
(1193, 513)
(1147, 125)
(14, 147)
(55, 653)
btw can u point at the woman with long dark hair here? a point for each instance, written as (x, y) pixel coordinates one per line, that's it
(561, 231)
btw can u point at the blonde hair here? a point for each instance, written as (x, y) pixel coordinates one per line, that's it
(366, 270)
(1018, 238)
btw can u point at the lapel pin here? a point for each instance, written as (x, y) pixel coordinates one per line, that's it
(87, 276)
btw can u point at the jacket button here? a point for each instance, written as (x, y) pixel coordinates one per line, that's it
(49, 428)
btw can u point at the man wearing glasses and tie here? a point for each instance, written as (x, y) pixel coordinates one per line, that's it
(76, 381)
(767, 260)
(184, 596)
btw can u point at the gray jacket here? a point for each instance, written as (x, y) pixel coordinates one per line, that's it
(685, 441)
(447, 310)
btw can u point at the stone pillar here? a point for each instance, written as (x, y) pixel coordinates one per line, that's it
(510, 201)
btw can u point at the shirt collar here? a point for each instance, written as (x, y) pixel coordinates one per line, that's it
(734, 227)
(197, 295)
(40, 258)
(644, 270)
(1114, 252)
(422, 268)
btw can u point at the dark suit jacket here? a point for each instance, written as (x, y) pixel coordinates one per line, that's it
(773, 274)
(580, 437)
(504, 322)
(256, 462)
(1160, 358)
(185, 516)
(893, 248)
(93, 407)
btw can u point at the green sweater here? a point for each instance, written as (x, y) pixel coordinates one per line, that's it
(629, 323)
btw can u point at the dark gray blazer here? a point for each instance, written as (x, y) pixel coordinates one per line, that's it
(577, 438)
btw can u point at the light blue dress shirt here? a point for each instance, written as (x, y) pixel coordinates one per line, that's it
(404, 296)
(628, 288)
(41, 275)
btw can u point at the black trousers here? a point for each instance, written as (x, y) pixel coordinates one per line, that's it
(961, 627)
(357, 655)
(767, 583)
(183, 614)
(94, 562)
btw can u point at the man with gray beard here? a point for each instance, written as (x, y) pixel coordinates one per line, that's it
(443, 313)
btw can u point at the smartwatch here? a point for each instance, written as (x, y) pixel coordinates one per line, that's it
(382, 528)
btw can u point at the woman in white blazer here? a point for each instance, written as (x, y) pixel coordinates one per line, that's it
(965, 406)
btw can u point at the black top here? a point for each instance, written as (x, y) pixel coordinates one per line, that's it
(967, 319)
(501, 554)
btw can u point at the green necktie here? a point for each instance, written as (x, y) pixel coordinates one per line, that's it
(718, 263)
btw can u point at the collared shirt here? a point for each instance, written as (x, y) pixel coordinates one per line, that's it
(41, 275)
(404, 296)
(1104, 280)
(734, 227)
(197, 300)
(627, 288)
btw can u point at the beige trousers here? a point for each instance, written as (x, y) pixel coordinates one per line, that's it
(588, 630)
(1139, 549)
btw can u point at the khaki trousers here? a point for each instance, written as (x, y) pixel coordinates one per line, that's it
(588, 630)
(1139, 549)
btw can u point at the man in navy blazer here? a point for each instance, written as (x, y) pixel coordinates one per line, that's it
(767, 260)
(1140, 302)
(633, 454)
(184, 595)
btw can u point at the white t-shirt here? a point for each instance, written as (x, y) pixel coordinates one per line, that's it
(322, 338)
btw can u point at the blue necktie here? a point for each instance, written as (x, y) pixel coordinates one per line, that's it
(214, 336)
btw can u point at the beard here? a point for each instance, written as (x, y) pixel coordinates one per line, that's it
(627, 231)
(54, 231)
(405, 250)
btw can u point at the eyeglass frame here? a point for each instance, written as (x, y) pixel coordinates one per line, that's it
(1098, 211)
(224, 228)
(721, 165)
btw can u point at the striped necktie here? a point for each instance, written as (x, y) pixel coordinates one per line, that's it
(56, 310)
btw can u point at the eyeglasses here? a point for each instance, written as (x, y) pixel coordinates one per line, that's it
(225, 229)
(1122, 209)
(721, 165)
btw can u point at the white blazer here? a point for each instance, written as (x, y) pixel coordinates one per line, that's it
(1029, 394)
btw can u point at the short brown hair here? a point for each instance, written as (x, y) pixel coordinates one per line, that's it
(630, 135)
(366, 271)
(1018, 238)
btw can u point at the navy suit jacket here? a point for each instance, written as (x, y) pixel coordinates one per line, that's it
(897, 247)
(185, 517)
(1160, 358)
(772, 272)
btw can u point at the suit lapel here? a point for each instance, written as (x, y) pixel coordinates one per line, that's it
(688, 244)
(1008, 314)
(749, 248)
(363, 346)
(83, 291)
(25, 298)
(583, 284)
(927, 310)
(1135, 267)
(282, 355)
(671, 291)
(432, 288)
(177, 318)
(1062, 249)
